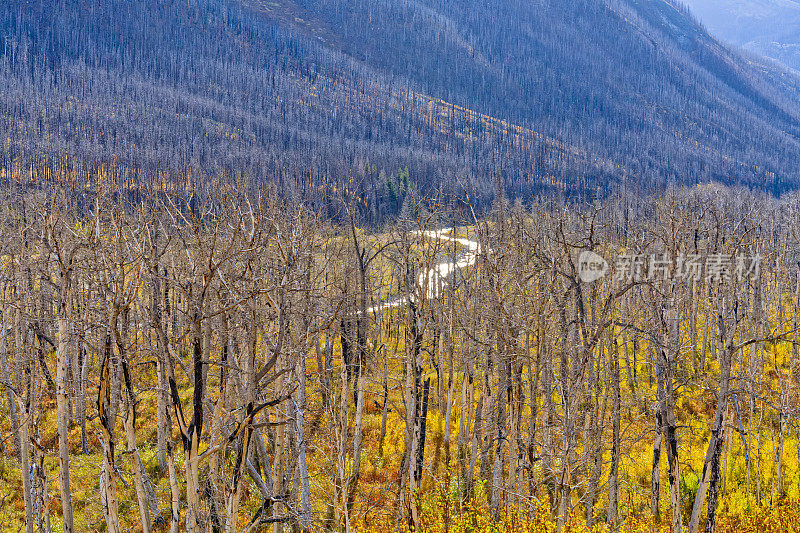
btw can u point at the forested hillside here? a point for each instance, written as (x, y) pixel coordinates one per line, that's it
(573, 96)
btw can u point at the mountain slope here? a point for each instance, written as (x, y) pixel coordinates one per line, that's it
(575, 95)
(584, 70)
(767, 27)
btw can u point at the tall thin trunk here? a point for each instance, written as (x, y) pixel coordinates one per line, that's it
(413, 394)
(162, 393)
(655, 477)
(167, 364)
(62, 403)
(464, 426)
(232, 507)
(358, 435)
(213, 479)
(302, 465)
(666, 360)
(133, 450)
(384, 403)
(27, 485)
(24, 383)
(448, 412)
(476, 445)
(5, 373)
(693, 323)
(342, 430)
(42, 495)
(779, 485)
(108, 486)
(499, 454)
(534, 371)
(709, 481)
(487, 440)
(613, 475)
(547, 430)
(82, 400)
(194, 430)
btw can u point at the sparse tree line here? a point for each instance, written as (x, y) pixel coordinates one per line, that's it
(238, 335)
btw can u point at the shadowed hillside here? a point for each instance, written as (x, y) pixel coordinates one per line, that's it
(574, 96)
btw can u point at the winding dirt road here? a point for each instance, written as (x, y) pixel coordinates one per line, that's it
(434, 279)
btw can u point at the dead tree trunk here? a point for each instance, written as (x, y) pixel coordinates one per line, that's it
(655, 478)
(5, 374)
(709, 482)
(62, 399)
(613, 475)
(499, 455)
(108, 485)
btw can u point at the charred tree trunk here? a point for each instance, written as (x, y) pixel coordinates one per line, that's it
(108, 485)
(709, 482)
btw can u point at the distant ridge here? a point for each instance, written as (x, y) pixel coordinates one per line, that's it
(770, 28)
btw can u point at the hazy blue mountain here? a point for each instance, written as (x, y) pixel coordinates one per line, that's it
(574, 96)
(767, 27)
